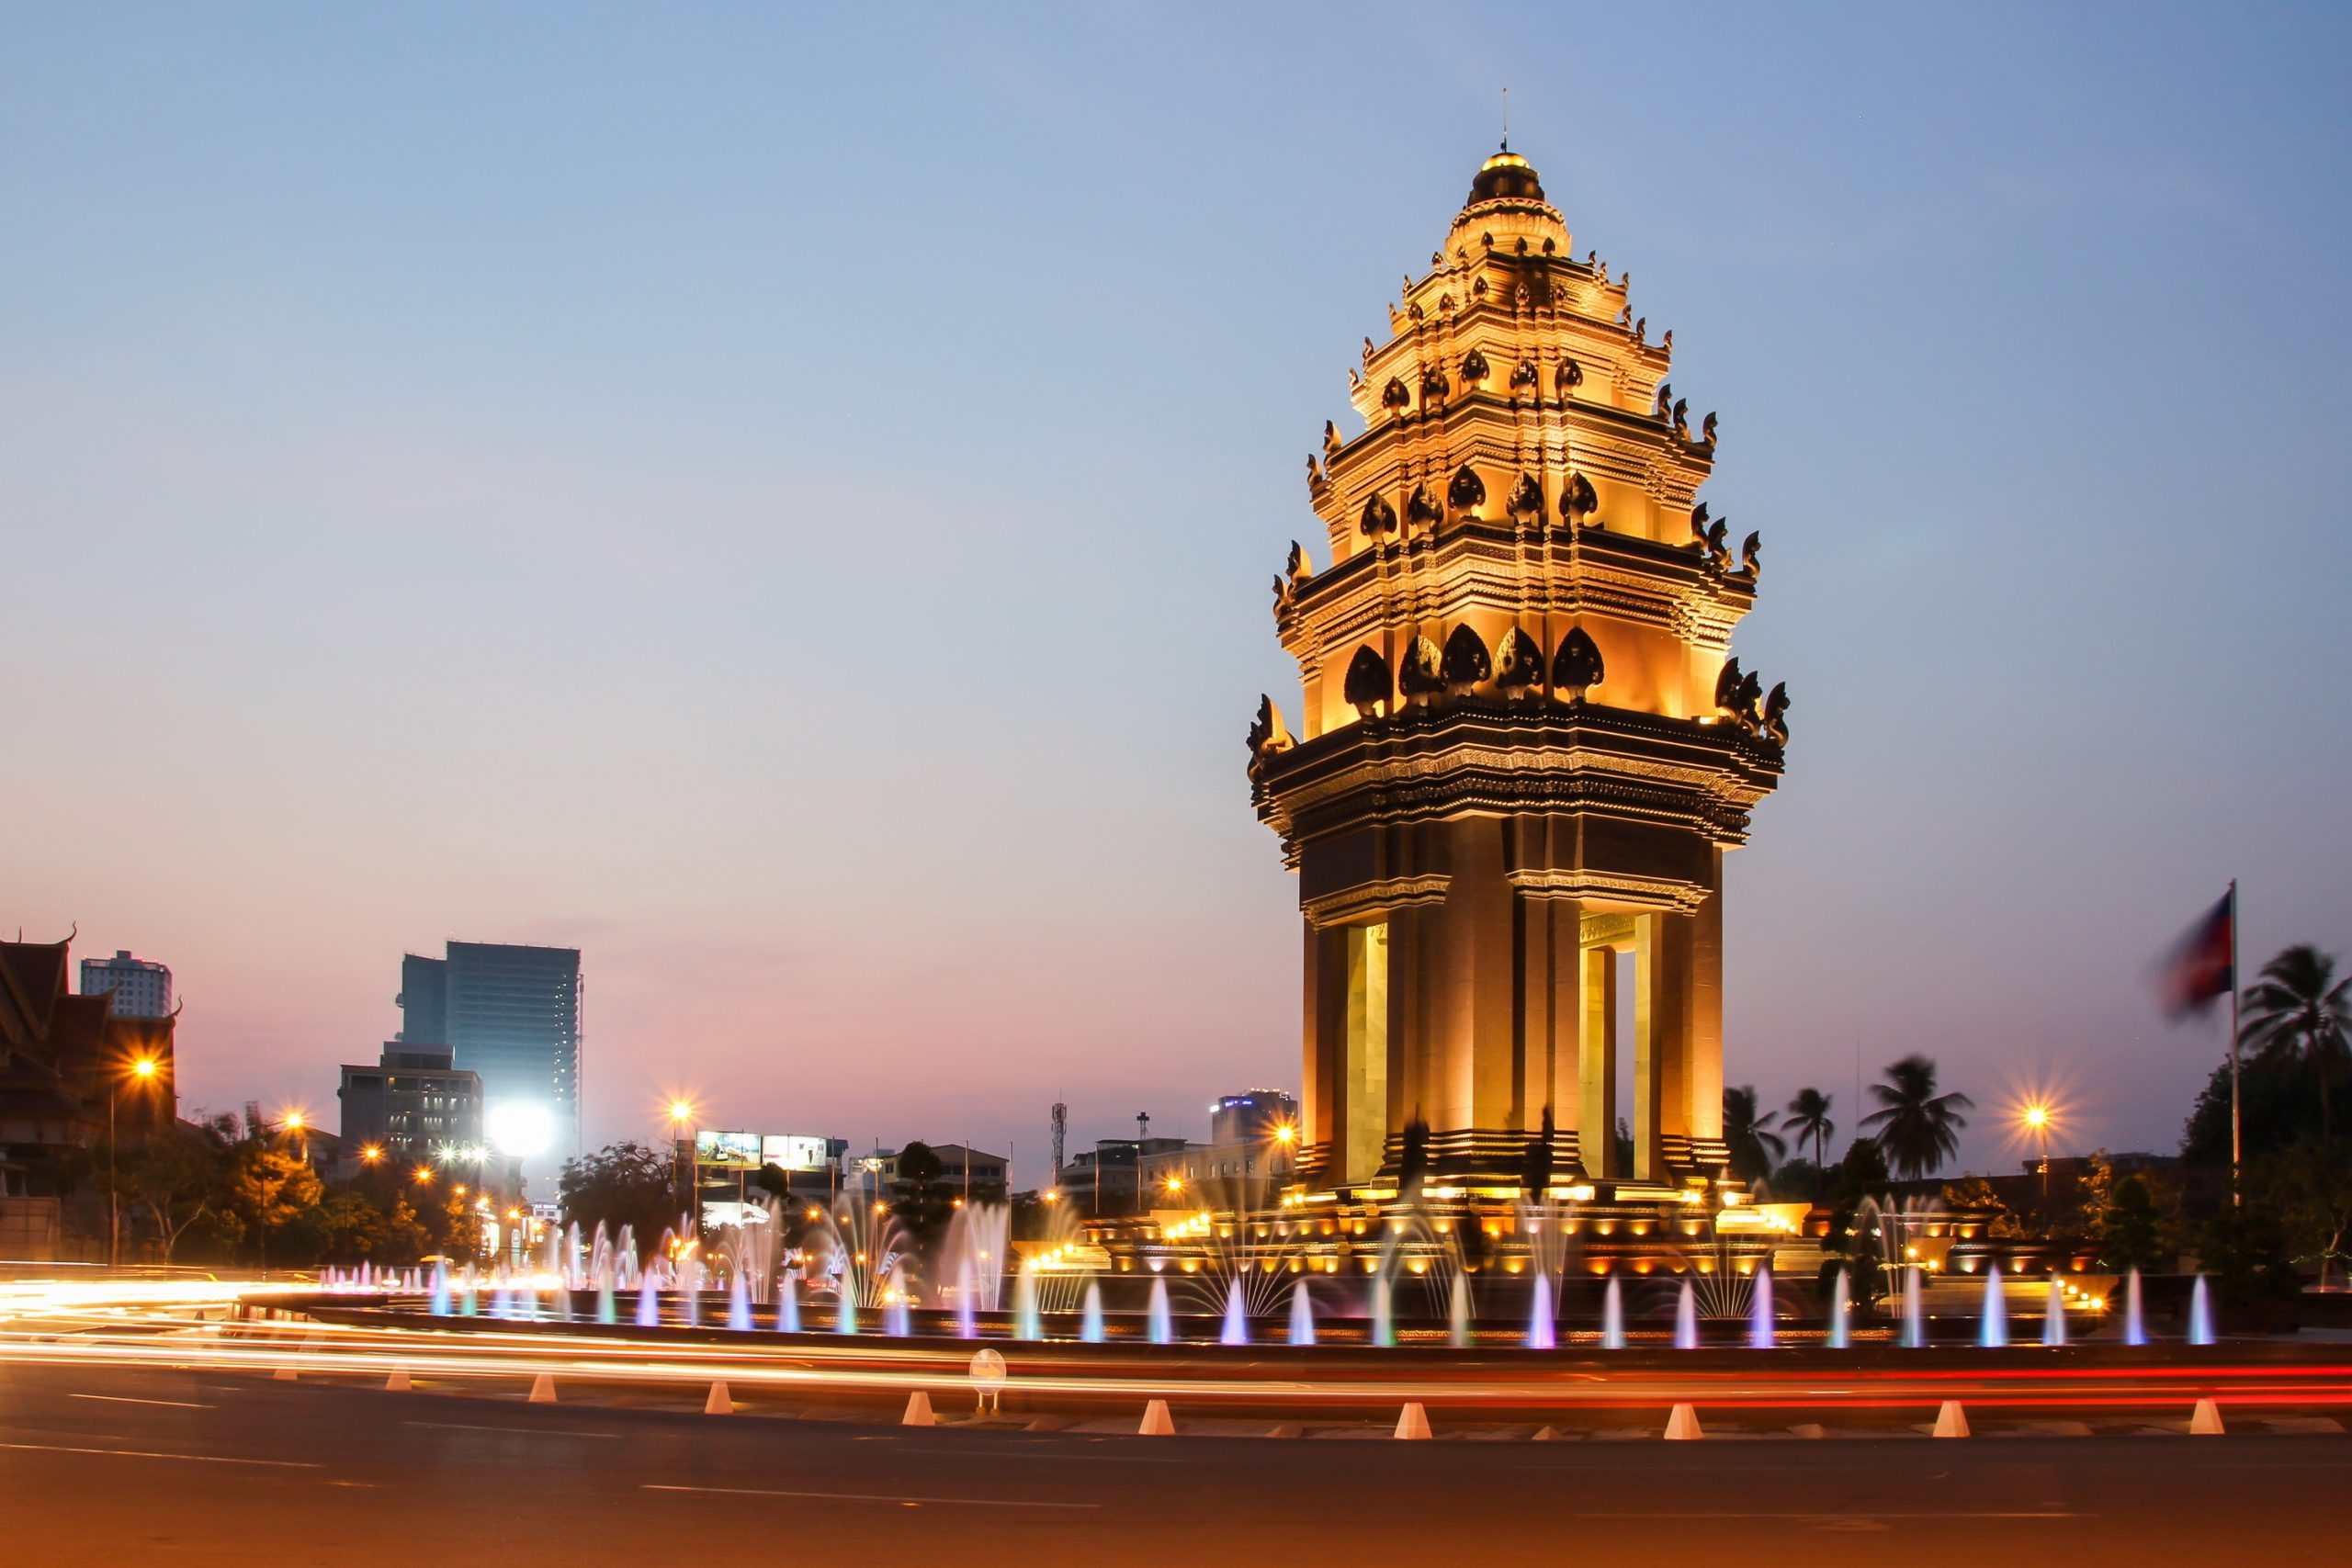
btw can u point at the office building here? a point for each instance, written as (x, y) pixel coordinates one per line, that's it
(508, 1012)
(1257, 1116)
(415, 1103)
(140, 988)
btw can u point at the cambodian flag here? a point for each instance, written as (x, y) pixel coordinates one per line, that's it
(2203, 964)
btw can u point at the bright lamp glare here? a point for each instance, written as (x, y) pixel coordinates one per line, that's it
(520, 1129)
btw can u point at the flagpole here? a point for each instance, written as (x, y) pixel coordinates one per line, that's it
(2235, 1122)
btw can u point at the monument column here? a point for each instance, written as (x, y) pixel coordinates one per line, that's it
(1597, 1058)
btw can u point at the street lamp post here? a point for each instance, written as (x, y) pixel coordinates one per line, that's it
(142, 1070)
(2037, 1117)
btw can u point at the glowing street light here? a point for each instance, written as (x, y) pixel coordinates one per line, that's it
(2037, 1118)
(372, 1153)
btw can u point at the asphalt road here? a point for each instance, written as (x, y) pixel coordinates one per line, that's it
(101, 1464)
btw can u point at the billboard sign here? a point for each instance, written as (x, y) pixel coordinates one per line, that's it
(727, 1148)
(793, 1151)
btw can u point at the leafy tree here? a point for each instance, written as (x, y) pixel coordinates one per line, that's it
(2131, 1227)
(2308, 1188)
(1808, 1122)
(2298, 1008)
(2245, 1252)
(402, 1237)
(2275, 1104)
(176, 1177)
(1919, 1128)
(919, 1195)
(1861, 1174)
(1799, 1179)
(343, 1226)
(1977, 1195)
(268, 1186)
(622, 1184)
(1754, 1145)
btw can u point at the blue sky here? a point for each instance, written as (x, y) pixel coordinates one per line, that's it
(784, 499)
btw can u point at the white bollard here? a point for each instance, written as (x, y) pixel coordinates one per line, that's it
(718, 1404)
(1413, 1422)
(1683, 1427)
(918, 1411)
(1157, 1422)
(542, 1390)
(1951, 1421)
(2206, 1422)
(396, 1382)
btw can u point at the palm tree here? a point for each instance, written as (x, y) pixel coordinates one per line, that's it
(2297, 1008)
(1917, 1127)
(1808, 1119)
(1755, 1148)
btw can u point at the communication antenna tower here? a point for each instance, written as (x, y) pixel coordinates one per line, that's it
(1061, 1131)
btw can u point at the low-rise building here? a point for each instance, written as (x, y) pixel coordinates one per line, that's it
(415, 1103)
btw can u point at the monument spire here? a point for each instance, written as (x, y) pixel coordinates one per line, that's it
(1523, 746)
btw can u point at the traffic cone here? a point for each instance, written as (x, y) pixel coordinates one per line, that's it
(1545, 1435)
(1951, 1421)
(396, 1382)
(1157, 1422)
(542, 1390)
(918, 1411)
(1412, 1421)
(2206, 1422)
(1683, 1427)
(283, 1374)
(718, 1404)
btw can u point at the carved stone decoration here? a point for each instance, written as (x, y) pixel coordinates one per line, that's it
(1665, 409)
(1420, 676)
(1577, 667)
(1468, 492)
(1466, 664)
(1434, 386)
(1519, 294)
(1421, 508)
(1577, 501)
(1369, 351)
(1330, 438)
(1314, 474)
(1524, 376)
(1478, 289)
(1707, 428)
(1266, 731)
(1474, 368)
(1751, 551)
(1682, 417)
(1698, 540)
(1727, 688)
(1367, 686)
(1296, 567)
(1746, 700)
(1718, 552)
(1776, 714)
(1394, 395)
(1527, 500)
(1519, 663)
(1378, 517)
(1568, 377)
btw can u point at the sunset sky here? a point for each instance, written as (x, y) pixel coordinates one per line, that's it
(785, 503)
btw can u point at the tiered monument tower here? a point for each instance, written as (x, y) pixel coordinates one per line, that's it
(1524, 745)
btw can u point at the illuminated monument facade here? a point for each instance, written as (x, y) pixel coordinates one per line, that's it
(1524, 745)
